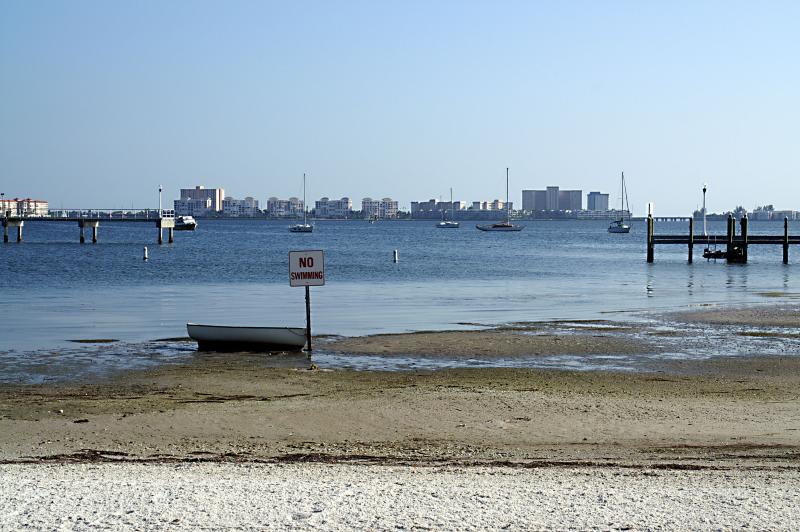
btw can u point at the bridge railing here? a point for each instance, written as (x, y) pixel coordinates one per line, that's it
(104, 214)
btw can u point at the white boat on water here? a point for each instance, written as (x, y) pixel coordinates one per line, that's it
(304, 227)
(185, 223)
(259, 339)
(503, 226)
(619, 226)
(449, 224)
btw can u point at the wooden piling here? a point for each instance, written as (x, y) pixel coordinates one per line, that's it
(786, 240)
(744, 238)
(650, 231)
(729, 236)
(170, 235)
(691, 238)
(5, 231)
(160, 235)
(94, 234)
(83, 235)
(19, 232)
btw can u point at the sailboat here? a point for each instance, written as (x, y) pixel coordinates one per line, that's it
(503, 226)
(304, 227)
(619, 226)
(449, 224)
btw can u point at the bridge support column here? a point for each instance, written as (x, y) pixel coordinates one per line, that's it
(165, 223)
(171, 234)
(94, 226)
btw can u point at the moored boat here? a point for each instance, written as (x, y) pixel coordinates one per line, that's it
(258, 339)
(452, 223)
(619, 226)
(304, 227)
(185, 223)
(502, 226)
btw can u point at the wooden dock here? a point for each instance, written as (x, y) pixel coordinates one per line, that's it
(735, 246)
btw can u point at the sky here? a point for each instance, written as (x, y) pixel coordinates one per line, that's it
(101, 102)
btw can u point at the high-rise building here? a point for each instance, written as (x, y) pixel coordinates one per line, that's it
(385, 208)
(551, 199)
(247, 207)
(570, 200)
(293, 207)
(328, 208)
(200, 192)
(595, 201)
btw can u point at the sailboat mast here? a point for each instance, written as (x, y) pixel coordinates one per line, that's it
(304, 199)
(508, 208)
(452, 208)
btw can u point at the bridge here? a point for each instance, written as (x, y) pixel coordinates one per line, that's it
(91, 218)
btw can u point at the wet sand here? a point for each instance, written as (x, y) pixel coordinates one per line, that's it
(724, 411)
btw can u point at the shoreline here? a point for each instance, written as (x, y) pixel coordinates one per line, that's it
(724, 411)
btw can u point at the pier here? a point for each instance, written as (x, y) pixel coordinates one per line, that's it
(735, 246)
(91, 218)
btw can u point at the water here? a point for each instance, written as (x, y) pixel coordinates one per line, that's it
(235, 272)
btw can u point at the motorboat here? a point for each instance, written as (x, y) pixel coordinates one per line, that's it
(449, 224)
(258, 339)
(502, 226)
(304, 227)
(619, 226)
(185, 223)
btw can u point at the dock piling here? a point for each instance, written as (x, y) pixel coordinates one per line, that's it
(744, 224)
(786, 240)
(83, 235)
(650, 246)
(691, 238)
(19, 231)
(5, 231)
(729, 236)
(170, 234)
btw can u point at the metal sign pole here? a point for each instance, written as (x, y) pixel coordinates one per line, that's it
(308, 318)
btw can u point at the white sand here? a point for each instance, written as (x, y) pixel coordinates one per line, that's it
(336, 497)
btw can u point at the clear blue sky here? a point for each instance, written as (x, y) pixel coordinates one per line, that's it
(102, 101)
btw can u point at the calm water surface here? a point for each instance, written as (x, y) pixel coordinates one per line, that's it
(235, 272)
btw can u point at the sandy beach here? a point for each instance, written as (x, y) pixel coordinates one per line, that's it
(718, 418)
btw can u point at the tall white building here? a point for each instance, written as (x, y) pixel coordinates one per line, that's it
(384, 208)
(247, 207)
(193, 207)
(328, 208)
(292, 207)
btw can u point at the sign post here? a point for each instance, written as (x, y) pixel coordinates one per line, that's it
(307, 268)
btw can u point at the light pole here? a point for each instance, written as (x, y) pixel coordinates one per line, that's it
(160, 188)
(705, 187)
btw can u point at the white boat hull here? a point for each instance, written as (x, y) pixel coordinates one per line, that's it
(447, 225)
(301, 228)
(259, 339)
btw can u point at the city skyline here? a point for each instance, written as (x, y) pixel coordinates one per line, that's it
(388, 98)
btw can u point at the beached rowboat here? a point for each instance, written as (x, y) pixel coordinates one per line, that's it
(260, 339)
